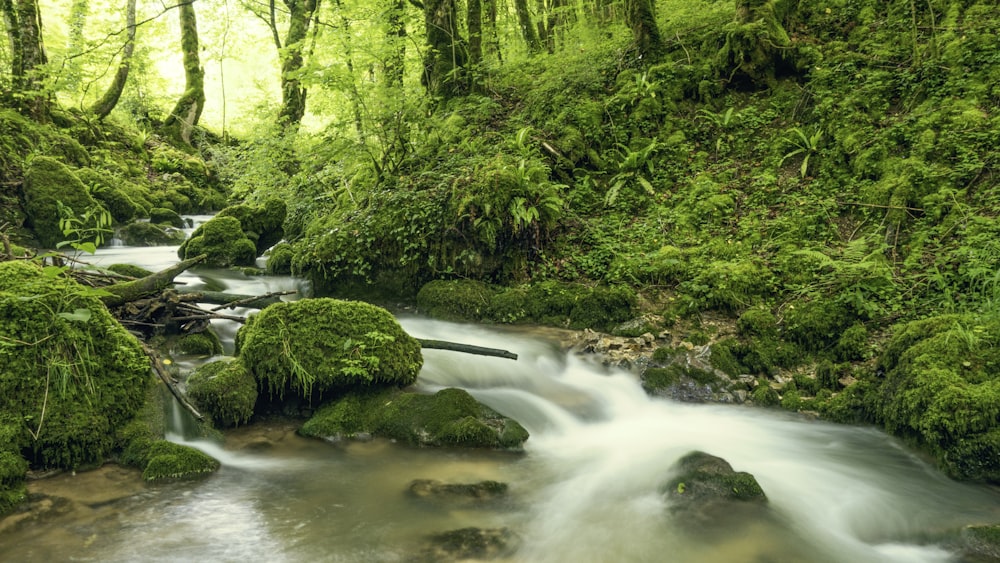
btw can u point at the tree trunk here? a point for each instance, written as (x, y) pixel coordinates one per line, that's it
(445, 60)
(527, 28)
(293, 95)
(110, 98)
(641, 17)
(184, 117)
(154, 283)
(492, 38)
(27, 55)
(395, 65)
(475, 17)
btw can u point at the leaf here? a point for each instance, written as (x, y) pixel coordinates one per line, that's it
(81, 315)
(52, 272)
(645, 183)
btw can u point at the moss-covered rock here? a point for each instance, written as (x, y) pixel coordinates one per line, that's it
(321, 345)
(763, 395)
(222, 239)
(107, 190)
(942, 390)
(149, 234)
(164, 216)
(205, 343)
(13, 467)
(468, 544)
(261, 223)
(167, 460)
(702, 481)
(69, 373)
(46, 182)
(225, 390)
(450, 417)
(457, 494)
(455, 300)
(982, 543)
(279, 260)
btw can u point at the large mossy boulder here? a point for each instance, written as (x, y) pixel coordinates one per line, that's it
(225, 390)
(70, 375)
(260, 225)
(13, 467)
(942, 390)
(702, 483)
(115, 195)
(450, 417)
(149, 234)
(318, 346)
(48, 182)
(223, 241)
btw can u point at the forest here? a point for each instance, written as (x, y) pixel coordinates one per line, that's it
(809, 190)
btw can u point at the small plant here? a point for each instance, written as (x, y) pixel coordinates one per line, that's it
(801, 143)
(88, 230)
(631, 167)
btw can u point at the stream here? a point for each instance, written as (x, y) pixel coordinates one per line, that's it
(584, 490)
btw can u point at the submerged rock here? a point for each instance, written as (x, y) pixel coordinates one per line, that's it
(982, 543)
(704, 483)
(450, 417)
(149, 234)
(469, 543)
(457, 493)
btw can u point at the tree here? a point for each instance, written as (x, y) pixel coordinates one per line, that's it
(183, 118)
(111, 96)
(446, 55)
(528, 30)
(24, 34)
(293, 94)
(641, 18)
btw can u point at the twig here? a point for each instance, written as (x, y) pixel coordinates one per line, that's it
(161, 372)
(210, 316)
(252, 299)
(858, 204)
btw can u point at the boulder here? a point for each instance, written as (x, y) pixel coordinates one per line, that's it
(149, 234)
(324, 346)
(225, 390)
(455, 494)
(48, 182)
(450, 417)
(225, 243)
(704, 484)
(469, 543)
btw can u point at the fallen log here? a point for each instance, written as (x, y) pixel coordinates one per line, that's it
(465, 348)
(232, 300)
(126, 292)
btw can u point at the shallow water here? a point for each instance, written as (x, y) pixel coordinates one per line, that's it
(585, 490)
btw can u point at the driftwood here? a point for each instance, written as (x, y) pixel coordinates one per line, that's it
(232, 300)
(126, 292)
(465, 348)
(161, 372)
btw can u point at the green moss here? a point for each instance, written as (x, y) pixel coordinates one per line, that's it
(665, 354)
(817, 324)
(150, 234)
(853, 344)
(803, 382)
(731, 285)
(450, 417)
(319, 345)
(13, 470)
(654, 379)
(261, 223)
(279, 259)
(64, 355)
(199, 344)
(726, 355)
(941, 388)
(701, 478)
(222, 239)
(764, 396)
(47, 181)
(757, 322)
(163, 216)
(455, 300)
(827, 375)
(167, 460)
(105, 189)
(225, 390)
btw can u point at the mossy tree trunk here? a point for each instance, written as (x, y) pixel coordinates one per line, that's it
(475, 19)
(641, 18)
(445, 61)
(184, 117)
(395, 64)
(23, 21)
(492, 38)
(114, 92)
(527, 28)
(293, 94)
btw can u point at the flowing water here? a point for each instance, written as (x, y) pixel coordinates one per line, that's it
(586, 489)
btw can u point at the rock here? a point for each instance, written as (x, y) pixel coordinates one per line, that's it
(450, 417)
(704, 484)
(686, 374)
(982, 543)
(469, 543)
(164, 216)
(324, 346)
(279, 259)
(225, 243)
(457, 493)
(48, 182)
(148, 234)
(225, 390)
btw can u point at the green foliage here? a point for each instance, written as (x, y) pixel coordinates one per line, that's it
(450, 417)
(71, 374)
(804, 144)
(323, 345)
(456, 300)
(225, 390)
(84, 232)
(763, 395)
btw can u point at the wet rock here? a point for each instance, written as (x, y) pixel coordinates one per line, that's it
(148, 234)
(686, 374)
(618, 351)
(705, 485)
(469, 543)
(457, 493)
(981, 543)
